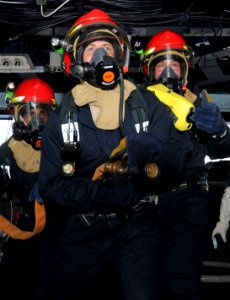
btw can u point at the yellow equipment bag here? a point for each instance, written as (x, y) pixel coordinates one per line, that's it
(180, 107)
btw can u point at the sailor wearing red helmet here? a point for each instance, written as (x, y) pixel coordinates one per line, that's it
(168, 58)
(32, 102)
(184, 210)
(101, 223)
(86, 29)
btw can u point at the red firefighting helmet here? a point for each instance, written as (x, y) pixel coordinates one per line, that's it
(167, 44)
(94, 25)
(31, 104)
(33, 90)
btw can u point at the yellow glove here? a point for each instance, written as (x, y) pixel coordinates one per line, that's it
(119, 151)
(99, 172)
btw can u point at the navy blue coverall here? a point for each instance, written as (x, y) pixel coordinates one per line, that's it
(19, 256)
(76, 253)
(184, 214)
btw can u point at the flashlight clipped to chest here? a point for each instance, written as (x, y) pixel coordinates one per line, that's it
(70, 151)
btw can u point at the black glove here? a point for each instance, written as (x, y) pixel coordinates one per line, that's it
(208, 118)
(141, 148)
(114, 193)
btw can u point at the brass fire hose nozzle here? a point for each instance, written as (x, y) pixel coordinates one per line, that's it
(120, 167)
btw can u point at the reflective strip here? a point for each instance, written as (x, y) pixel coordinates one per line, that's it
(145, 125)
(6, 168)
(68, 132)
(207, 159)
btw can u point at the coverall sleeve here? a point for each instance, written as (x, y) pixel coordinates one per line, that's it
(75, 191)
(171, 157)
(219, 148)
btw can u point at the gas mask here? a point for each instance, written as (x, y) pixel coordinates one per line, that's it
(37, 125)
(30, 123)
(170, 79)
(102, 71)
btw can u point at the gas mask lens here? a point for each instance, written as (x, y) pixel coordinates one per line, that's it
(33, 115)
(36, 122)
(30, 119)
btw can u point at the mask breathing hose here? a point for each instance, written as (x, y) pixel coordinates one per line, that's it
(121, 104)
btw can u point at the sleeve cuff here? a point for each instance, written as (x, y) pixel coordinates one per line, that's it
(219, 137)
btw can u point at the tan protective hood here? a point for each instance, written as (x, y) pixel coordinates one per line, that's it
(104, 104)
(190, 96)
(26, 157)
